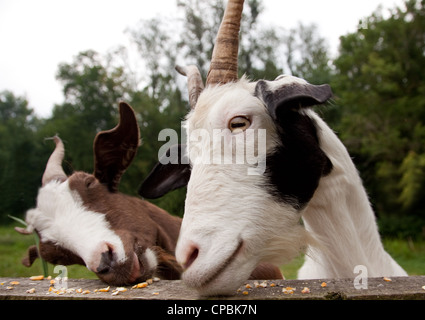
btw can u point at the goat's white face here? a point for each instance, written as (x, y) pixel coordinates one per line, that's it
(234, 220)
(61, 218)
(69, 232)
(240, 214)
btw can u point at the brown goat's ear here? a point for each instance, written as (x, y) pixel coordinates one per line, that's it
(32, 254)
(290, 96)
(167, 175)
(115, 149)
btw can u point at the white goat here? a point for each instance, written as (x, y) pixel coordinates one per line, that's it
(233, 220)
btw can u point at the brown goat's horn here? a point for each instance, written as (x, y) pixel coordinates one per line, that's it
(224, 61)
(194, 82)
(54, 169)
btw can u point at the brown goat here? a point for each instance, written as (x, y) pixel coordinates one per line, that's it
(83, 219)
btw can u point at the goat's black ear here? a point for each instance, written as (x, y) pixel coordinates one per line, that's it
(115, 149)
(289, 96)
(170, 173)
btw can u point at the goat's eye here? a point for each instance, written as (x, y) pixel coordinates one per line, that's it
(239, 124)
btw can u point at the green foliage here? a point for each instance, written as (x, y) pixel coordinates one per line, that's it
(380, 86)
(379, 108)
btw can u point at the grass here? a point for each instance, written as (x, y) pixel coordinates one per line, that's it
(13, 247)
(408, 254)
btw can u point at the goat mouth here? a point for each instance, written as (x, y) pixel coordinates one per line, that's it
(219, 270)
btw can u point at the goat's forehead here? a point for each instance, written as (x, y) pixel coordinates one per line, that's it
(223, 102)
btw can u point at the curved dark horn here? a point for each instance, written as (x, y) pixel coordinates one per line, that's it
(54, 169)
(224, 61)
(194, 82)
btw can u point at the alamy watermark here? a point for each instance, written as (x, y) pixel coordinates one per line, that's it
(61, 281)
(360, 281)
(219, 147)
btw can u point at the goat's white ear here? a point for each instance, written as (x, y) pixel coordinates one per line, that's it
(289, 96)
(115, 149)
(168, 174)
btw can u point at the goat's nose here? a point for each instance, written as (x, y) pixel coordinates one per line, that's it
(104, 258)
(189, 255)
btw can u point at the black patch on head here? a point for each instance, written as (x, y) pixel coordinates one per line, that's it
(298, 163)
(296, 166)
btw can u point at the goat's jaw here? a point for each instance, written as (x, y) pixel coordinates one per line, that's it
(223, 238)
(219, 271)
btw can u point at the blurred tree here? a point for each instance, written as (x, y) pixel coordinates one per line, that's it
(307, 54)
(92, 92)
(380, 85)
(19, 156)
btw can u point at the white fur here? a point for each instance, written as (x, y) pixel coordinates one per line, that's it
(61, 218)
(151, 259)
(342, 220)
(215, 221)
(225, 205)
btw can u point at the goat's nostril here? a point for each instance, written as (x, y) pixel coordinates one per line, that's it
(106, 259)
(192, 257)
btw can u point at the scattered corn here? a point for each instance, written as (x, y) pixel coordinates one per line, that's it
(140, 285)
(79, 290)
(86, 292)
(423, 287)
(288, 290)
(36, 278)
(104, 289)
(32, 290)
(272, 284)
(324, 284)
(155, 293)
(121, 289)
(9, 288)
(245, 293)
(248, 286)
(305, 290)
(14, 283)
(387, 279)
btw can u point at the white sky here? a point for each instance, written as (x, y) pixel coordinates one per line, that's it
(35, 36)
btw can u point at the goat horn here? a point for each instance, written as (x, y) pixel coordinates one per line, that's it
(224, 61)
(54, 169)
(194, 82)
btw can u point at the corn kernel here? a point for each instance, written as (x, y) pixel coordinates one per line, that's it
(36, 278)
(305, 290)
(104, 289)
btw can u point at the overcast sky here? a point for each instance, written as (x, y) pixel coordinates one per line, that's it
(35, 36)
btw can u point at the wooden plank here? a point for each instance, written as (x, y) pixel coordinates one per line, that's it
(407, 288)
